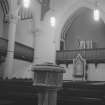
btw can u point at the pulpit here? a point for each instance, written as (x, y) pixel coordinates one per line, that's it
(47, 80)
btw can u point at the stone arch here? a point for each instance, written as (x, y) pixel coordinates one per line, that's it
(70, 20)
(5, 6)
(69, 14)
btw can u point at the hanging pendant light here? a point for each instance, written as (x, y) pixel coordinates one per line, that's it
(26, 3)
(53, 21)
(96, 14)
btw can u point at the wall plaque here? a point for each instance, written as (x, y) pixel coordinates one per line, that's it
(79, 65)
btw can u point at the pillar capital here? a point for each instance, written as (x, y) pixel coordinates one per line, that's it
(12, 18)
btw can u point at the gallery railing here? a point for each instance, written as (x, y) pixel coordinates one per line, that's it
(91, 55)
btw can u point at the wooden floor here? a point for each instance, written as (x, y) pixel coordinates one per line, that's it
(73, 93)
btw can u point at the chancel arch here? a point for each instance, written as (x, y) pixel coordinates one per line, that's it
(68, 15)
(69, 18)
(81, 28)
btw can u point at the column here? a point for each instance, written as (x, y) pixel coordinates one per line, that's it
(43, 98)
(36, 12)
(12, 17)
(47, 97)
(52, 97)
(44, 45)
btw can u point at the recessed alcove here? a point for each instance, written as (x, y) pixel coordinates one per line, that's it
(84, 27)
(81, 26)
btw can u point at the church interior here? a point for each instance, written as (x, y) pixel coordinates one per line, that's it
(52, 52)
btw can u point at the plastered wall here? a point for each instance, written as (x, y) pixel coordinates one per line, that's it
(65, 11)
(24, 35)
(48, 38)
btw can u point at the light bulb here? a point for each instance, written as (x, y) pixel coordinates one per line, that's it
(26, 3)
(96, 14)
(53, 21)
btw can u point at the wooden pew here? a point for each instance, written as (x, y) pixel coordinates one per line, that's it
(21, 91)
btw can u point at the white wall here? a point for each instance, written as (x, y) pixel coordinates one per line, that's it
(95, 73)
(2, 34)
(24, 36)
(21, 69)
(1, 22)
(69, 72)
(62, 10)
(48, 39)
(24, 33)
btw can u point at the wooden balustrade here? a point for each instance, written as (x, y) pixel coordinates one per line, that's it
(91, 55)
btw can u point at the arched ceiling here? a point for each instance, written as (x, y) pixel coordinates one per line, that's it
(83, 27)
(70, 21)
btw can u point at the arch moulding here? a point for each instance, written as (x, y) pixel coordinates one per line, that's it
(68, 14)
